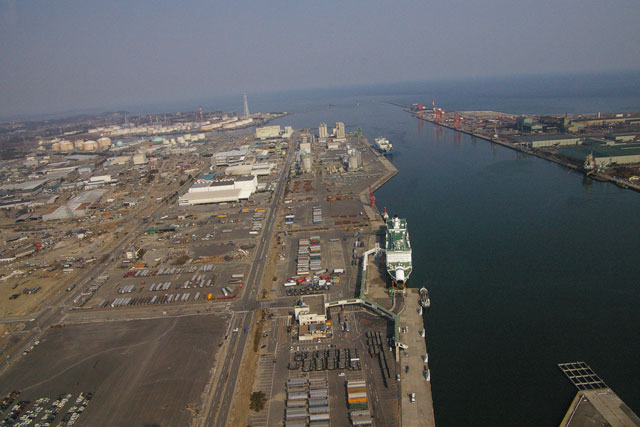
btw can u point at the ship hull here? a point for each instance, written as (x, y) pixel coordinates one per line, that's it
(398, 252)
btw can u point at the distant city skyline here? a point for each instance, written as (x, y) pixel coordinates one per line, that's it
(83, 55)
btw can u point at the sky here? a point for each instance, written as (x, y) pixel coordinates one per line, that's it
(69, 55)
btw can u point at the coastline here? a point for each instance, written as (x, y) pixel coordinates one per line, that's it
(597, 176)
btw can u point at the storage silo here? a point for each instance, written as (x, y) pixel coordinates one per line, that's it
(89, 146)
(104, 142)
(66, 146)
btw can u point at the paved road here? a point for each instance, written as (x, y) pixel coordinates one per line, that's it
(219, 412)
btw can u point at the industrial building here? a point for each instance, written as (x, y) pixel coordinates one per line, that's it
(267, 132)
(23, 187)
(604, 155)
(525, 124)
(306, 162)
(353, 159)
(228, 190)
(231, 157)
(311, 317)
(540, 141)
(96, 181)
(257, 169)
(77, 206)
(617, 138)
(140, 159)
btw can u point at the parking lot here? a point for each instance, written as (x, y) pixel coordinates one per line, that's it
(167, 284)
(135, 370)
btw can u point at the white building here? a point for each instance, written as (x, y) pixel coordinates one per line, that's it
(95, 181)
(267, 132)
(312, 318)
(231, 190)
(140, 159)
(322, 131)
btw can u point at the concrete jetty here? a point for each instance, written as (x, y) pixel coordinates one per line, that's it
(414, 380)
(595, 403)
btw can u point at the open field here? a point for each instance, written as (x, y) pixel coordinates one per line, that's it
(142, 372)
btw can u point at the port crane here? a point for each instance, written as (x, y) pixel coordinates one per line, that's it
(438, 113)
(372, 198)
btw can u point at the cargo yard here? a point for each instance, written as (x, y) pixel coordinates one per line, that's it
(194, 258)
(232, 252)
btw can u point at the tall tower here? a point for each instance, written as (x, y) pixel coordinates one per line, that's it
(340, 134)
(246, 106)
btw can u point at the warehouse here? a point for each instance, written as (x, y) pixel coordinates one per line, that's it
(604, 155)
(540, 141)
(24, 187)
(77, 206)
(234, 190)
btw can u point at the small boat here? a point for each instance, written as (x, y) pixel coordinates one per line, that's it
(425, 301)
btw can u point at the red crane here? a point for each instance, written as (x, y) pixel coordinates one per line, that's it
(457, 121)
(372, 198)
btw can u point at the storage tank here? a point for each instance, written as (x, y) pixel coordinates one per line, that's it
(119, 143)
(66, 146)
(78, 144)
(89, 146)
(55, 146)
(104, 142)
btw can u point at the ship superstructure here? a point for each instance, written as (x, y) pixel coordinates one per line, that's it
(398, 251)
(383, 145)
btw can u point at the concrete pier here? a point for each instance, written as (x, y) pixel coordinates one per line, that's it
(420, 412)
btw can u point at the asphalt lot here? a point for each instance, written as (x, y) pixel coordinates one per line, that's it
(136, 369)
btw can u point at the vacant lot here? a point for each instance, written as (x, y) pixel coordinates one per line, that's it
(142, 372)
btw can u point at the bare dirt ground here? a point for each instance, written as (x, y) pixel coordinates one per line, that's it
(142, 372)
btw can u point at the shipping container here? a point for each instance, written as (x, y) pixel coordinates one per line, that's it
(319, 417)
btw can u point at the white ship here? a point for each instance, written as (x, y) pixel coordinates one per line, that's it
(383, 145)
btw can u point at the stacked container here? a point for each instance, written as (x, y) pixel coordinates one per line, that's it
(303, 257)
(358, 405)
(317, 215)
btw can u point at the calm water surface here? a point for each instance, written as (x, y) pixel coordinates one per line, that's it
(528, 264)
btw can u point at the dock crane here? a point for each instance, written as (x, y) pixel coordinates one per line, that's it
(372, 198)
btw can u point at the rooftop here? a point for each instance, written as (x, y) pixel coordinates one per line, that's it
(556, 137)
(315, 303)
(581, 151)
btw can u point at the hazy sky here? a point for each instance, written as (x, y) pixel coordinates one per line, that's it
(63, 55)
